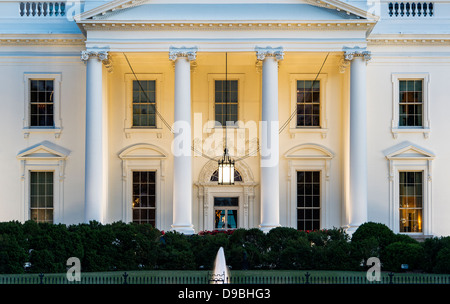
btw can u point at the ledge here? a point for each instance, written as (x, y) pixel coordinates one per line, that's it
(322, 131)
(425, 131)
(157, 131)
(56, 131)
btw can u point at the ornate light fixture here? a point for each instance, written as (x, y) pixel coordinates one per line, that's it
(226, 164)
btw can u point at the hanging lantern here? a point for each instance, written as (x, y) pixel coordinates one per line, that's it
(226, 169)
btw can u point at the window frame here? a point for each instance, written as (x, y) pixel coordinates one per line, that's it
(143, 157)
(309, 157)
(56, 128)
(396, 129)
(409, 157)
(323, 128)
(43, 157)
(212, 77)
(129, 129)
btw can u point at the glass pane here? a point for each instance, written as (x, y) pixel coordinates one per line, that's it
(226, 201)
(232, 219)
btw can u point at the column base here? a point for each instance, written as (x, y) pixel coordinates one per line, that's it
(184, 229)
(267, 227)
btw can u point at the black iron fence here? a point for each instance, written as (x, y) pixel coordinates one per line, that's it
(305, 278)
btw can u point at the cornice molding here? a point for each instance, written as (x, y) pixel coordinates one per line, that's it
(42, 41)
(317, 25)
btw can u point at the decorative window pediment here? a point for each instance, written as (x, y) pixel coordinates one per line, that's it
(44, 150)
(309, 151)
(407, 150)
(141, 151)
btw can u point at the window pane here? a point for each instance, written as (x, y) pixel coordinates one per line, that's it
(410, 201)
(41, 103)
(308, 200)
(144, 103)
(144, 197)
(308, 103)
(41, 196)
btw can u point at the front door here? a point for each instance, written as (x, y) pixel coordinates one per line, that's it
(226, 213)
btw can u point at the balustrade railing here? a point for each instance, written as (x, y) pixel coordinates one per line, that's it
(411, 9)
(42, 9)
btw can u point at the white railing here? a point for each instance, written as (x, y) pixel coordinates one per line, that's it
(42, 9)
(411, 9)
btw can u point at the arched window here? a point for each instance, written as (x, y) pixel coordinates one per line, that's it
(215, 176)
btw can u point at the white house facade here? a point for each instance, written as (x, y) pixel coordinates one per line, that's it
(334, 113)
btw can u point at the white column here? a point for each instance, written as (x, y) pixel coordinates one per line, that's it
(95, 182)
(269, 139)
(358, 138)
(181, 146)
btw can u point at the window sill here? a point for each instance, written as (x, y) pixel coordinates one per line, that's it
(143, 130)
(322, 131)
(44, 130)
(425, 131)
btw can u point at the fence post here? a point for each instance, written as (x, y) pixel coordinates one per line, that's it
(391, 275)
(307, 275)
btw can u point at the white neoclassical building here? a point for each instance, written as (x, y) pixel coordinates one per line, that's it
(334, 113)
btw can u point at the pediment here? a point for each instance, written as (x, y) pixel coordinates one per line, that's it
(152, 11)
(44, 150)
(407, 150)
(309, 151)
(142, 151)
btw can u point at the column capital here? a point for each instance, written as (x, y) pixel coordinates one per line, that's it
(351, 53)
(190, 53)
(263, 52)
(102, 55)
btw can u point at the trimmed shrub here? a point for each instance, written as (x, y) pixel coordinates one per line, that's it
(399, 253)
(175, 252)
(369, 240)
(248, 248)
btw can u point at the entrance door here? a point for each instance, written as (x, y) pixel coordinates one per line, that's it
(226, 213)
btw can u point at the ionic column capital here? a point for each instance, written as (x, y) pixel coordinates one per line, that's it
(189, 53)
(101, 55)
(350, 54)
(263, 52)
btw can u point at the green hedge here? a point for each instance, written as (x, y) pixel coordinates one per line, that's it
(120, 246)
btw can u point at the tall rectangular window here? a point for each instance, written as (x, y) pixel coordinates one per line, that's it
(308, 200)
(308, 103)
(411, 103)
(226, 101)
(41, 103)
(41, 197)
(144, 103)
(411, 201)
(144, 197)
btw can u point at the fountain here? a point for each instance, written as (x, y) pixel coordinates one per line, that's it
(221, 273)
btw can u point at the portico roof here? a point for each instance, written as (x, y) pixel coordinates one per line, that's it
(157, 25)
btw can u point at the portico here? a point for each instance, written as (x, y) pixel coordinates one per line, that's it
(267, 60)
